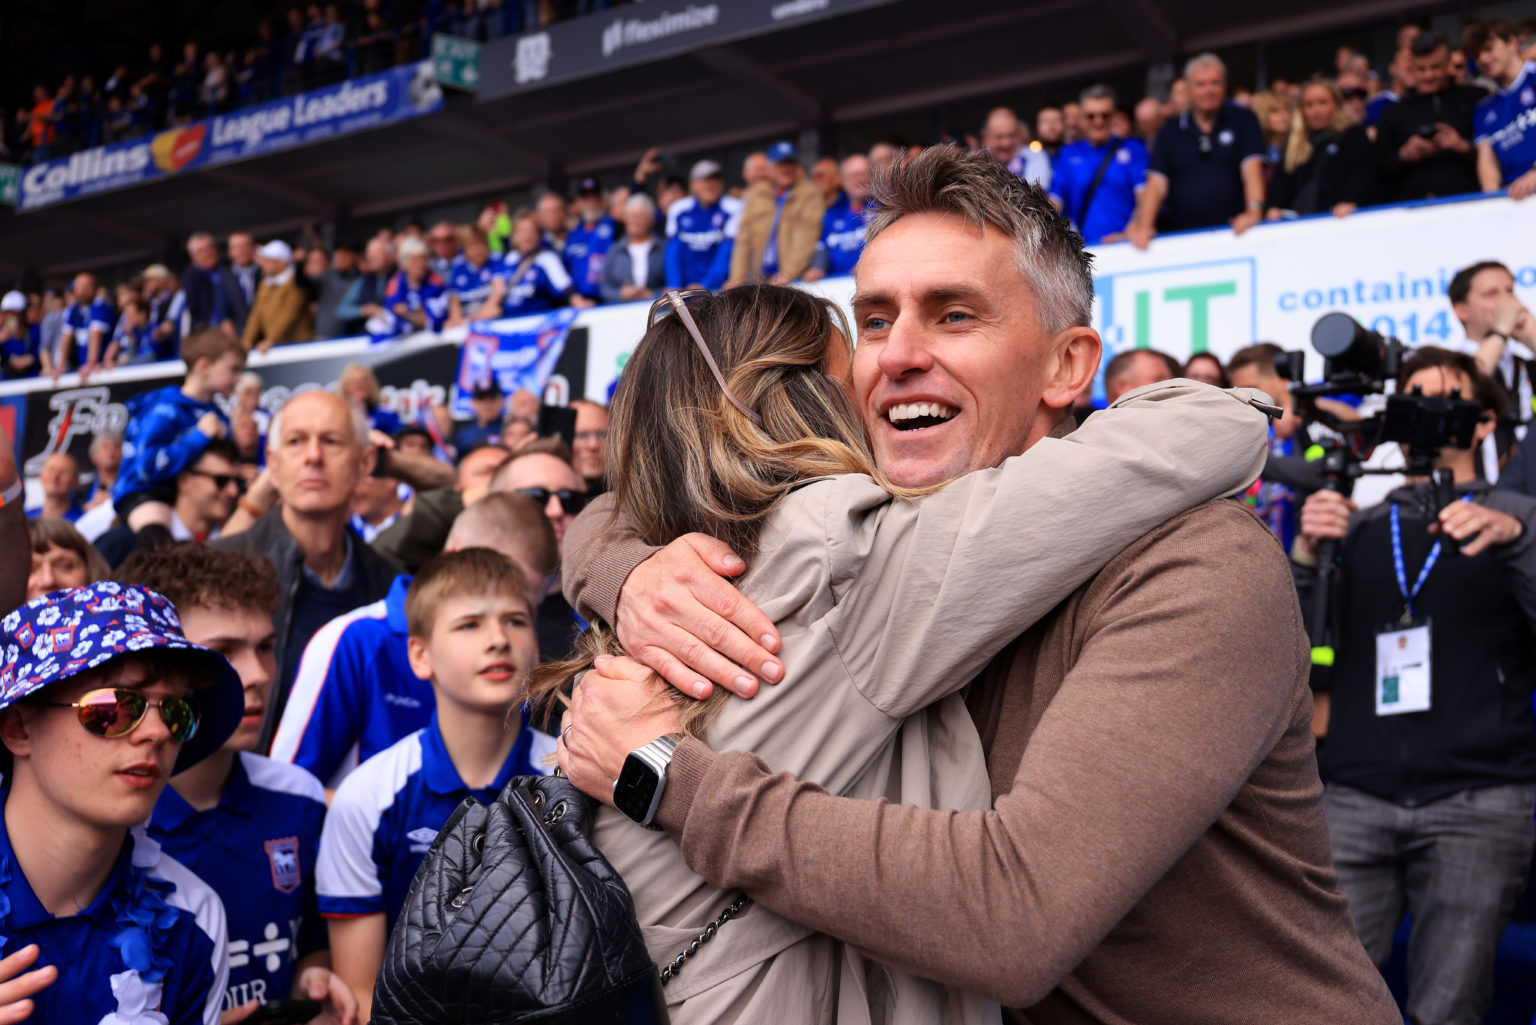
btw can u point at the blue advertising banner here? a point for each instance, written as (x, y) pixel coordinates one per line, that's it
(404, 92)
(516, 359)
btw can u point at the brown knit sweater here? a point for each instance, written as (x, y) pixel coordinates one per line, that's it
(1156, 851)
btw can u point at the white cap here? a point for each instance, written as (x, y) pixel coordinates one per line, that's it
(14, 302)
(278, 250)
(704, 169)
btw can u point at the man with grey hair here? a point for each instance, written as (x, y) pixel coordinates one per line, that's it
(637, 264)
(1207, 165)
(1156, 850)
(1098, 176)
(1006, 138)
(317, 451)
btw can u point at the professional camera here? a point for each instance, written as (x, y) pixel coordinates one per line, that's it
(1357, 361)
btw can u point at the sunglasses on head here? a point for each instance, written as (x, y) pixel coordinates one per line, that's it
(675, 300)
(571, 501)
(114, 712)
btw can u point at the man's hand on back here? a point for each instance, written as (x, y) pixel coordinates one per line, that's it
(681, 618)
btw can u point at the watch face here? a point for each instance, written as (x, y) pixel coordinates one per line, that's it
(635, 790)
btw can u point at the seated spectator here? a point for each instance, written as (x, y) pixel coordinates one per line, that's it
(1424, 140)
(1329, 164)
(1506, 140)
(471, 277)
(1148, 117)
(1207, 165)
(1134, 368)
(169, 428)
(60, 479)
(842, 226)
(61, 557)
(120, 694)
(443, 248)
(206, 494)
(587, 244)
(18, 340)
(86, 331)
(376, 505)
(701, 230)
(317, 451)
(488, 405)
(247, 825)
(355, 694)
(281, 312)
(780, 223)
(531, 278)
(636, 268)
(1050, 127)
(214, 297)
(1006, 138)
(360, 388)
(469, 619)
(1098, 177)
(1206, 368)
(1274, 113)
(416, 299)
(106, 455)
(132, 340)
(365, 298)
(166, 303)
(589, 445)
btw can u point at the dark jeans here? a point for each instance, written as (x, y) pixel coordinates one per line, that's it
(1458, 865)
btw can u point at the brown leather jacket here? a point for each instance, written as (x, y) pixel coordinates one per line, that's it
(799, 228)
(280, 314)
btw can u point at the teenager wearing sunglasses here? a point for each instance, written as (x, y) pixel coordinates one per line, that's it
(102, 699)
(736, 417)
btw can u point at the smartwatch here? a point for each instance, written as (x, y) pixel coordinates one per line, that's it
(638, 790)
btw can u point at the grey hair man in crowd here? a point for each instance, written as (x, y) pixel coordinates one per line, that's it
(1157, 849)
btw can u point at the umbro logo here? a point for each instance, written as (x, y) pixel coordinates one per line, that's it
(421, 839)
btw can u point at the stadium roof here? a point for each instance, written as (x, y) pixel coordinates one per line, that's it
(905, 56)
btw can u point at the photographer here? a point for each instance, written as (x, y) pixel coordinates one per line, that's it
(1424, 140)
(1430, 765)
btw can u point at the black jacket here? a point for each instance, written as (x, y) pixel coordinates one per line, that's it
(269, 536)
(198, 286)
(1478, 730)
(1342, 169)
(1444, 174)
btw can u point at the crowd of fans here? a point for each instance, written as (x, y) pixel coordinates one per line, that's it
(1452, 122)
(288, 539)
(315, 45)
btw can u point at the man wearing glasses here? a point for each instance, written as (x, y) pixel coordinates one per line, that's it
(1207, 166)
(206, 494)
(1099, 176)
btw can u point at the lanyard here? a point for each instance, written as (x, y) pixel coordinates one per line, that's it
(1402, 572)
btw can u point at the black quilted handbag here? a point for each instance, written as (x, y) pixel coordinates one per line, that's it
(515, 916)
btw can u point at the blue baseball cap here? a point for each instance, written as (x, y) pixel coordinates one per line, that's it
(64, 633)
(779, 152)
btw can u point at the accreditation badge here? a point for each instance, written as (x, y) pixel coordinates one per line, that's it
(1402, 668)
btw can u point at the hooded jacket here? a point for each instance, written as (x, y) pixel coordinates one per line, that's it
(162, 439)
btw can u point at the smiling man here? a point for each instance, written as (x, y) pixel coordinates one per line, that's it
(317, 451)
(1157, 849)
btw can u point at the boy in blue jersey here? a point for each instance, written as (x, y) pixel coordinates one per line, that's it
(102, 698)
(700, 230)
(169, 428)
(1504, 124)
(842, 226)
(587, 244)
(355, 693)
(248, 826)
(470, 277)
(470, 620)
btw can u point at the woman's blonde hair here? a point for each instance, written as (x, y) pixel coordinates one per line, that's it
(1298, 147)
(686, 459)
(1266, 103)
(358, 370)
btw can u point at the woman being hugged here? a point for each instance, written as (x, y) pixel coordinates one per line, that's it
(735, 418)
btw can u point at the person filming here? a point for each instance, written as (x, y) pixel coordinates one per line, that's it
(1430, 763)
